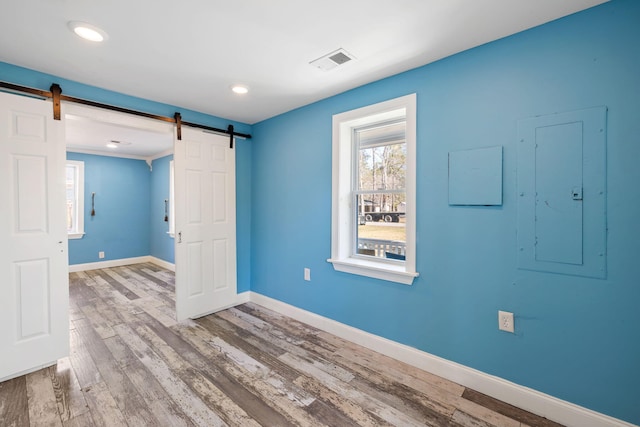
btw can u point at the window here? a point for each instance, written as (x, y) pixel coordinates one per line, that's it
(75, 199)
(373, 208)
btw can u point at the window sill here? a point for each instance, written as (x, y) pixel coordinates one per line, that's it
(376, 270)
(75, 235)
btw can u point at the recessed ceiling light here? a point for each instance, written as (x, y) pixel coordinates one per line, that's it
(239, 89)
(87, 31)
(115, 144)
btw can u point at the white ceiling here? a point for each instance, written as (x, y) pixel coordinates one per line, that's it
(188, 53)
(88, 135)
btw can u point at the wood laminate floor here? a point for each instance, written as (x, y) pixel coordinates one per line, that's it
(132, 364)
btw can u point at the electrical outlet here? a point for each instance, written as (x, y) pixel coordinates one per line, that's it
(307, 274)
(505, 321)
(101, 254)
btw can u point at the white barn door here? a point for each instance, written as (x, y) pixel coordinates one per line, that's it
(205, 218)
(34, 293)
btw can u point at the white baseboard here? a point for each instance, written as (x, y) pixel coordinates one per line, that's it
(162, 263)
(243, 297)
(531, 400)
(121, 262)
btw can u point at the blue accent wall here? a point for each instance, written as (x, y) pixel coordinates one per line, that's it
(576, 338)
(161, 244)
(120, 226)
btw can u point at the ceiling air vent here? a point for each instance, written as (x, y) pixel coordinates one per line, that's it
(332, 60)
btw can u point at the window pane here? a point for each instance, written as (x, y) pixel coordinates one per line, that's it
(379, 190)
(382, 155)
(381, 232)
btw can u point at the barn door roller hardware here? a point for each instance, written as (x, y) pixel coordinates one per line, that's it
(178, 118)
(230, 132)
(55, 93)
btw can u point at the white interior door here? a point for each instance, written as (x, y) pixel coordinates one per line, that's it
(205, 231)
(34, 292)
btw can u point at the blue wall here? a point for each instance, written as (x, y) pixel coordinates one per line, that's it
(129, 219)
(161, 244)
(576, 338)
(120, 226)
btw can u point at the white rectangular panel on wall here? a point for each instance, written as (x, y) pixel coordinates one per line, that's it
(475, 177)
(558, 172)
(562, 193)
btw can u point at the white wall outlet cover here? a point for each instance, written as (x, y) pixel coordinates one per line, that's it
(505, 321)
(307, 274)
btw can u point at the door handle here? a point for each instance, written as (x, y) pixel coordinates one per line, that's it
(180, 237)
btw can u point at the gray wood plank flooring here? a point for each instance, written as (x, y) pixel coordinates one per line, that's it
(132, 364)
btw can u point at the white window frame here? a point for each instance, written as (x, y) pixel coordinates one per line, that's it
(78, 233)
(342, 221)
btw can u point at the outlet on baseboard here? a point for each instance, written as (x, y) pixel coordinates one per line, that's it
(505, 321)
(101, 254)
